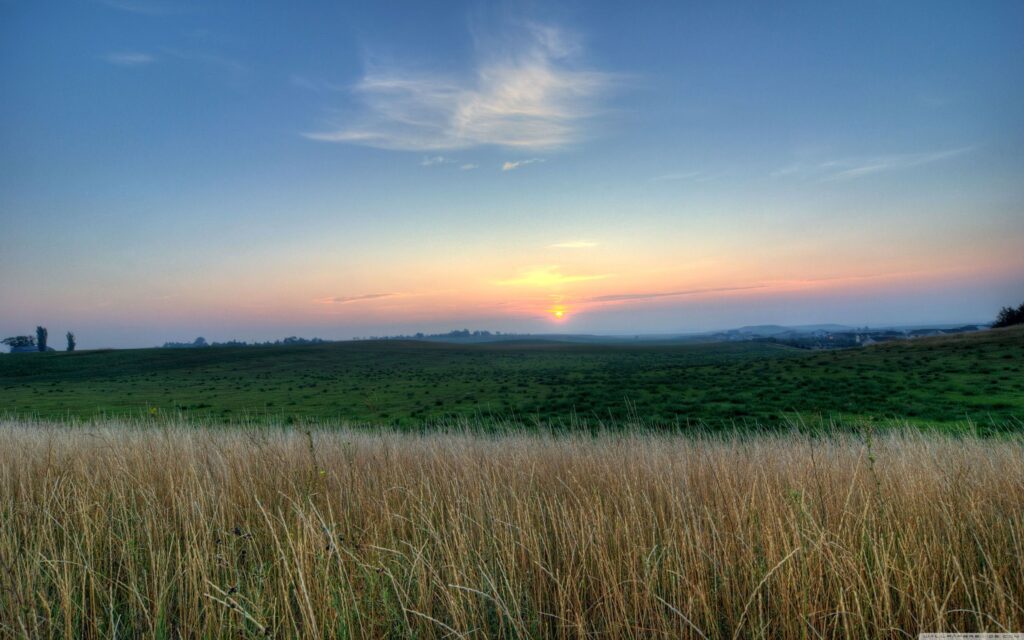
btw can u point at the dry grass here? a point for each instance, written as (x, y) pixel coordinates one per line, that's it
(171, 531)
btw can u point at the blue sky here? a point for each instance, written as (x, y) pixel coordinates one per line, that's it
(254, 170)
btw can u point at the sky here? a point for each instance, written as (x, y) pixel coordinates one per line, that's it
(254, 170)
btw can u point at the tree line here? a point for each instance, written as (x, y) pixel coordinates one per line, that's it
(1008, 316)
(37, 342)
(201, 343)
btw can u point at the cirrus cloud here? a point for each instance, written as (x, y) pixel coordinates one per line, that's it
(530, 95)
(430, 161)
(512, 165)
(843, 169)
(548, 276)
(351, 299)
(632, 297)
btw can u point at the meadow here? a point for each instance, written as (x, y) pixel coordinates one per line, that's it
(975, 378)
(126, 529)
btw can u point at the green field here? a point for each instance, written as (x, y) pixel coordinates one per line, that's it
(979, 377)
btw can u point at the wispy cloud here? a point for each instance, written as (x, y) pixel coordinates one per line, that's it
(515, 164)
(631, 297)
(351, 299)
(793, 170)
(129, 59)
(675, 177)
(858, 167)
(769, 285)
(528, 94)
(573, 244)
(548, 276)
(469, 166)
(430, 161)
(892, 163)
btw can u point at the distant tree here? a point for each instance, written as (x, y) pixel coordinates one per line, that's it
(41, 338)
(1008, 316)
(71, 341)
(19, 342)
(198, 343)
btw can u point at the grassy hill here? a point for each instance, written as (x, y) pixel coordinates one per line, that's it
(947, 379)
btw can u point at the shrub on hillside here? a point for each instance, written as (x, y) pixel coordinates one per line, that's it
(1008, 316)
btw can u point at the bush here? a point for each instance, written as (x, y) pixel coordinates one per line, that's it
(1008, 316)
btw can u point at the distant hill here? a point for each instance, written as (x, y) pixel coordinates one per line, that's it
(775, 329)
(826, 336)
(808, 336)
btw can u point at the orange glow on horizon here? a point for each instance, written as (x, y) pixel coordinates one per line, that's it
(559, 297)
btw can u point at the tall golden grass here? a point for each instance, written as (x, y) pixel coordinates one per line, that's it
(171, 531)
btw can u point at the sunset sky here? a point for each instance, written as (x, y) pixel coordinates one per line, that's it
(255, 170)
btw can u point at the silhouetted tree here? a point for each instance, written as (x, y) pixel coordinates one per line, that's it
(19, 342)
(71, 341)
(41, 338)
(1008, 316)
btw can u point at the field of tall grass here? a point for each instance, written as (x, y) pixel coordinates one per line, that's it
(127, 530)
